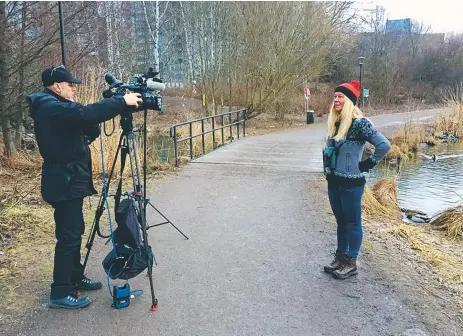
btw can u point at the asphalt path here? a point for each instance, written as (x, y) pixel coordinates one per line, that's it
(259, 237)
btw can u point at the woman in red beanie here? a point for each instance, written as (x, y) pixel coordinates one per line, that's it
(347, 132)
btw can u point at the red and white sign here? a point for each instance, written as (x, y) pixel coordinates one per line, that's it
(307, 93)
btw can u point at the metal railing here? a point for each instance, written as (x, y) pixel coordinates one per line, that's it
(211, 121)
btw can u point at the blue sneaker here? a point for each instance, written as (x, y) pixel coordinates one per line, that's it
(87, 284)
(71, 301)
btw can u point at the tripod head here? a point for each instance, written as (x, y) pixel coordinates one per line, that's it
(127, 122)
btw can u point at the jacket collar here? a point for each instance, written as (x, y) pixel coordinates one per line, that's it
(57, 96)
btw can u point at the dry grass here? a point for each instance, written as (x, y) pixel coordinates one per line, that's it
(92, 86)
(430, 140)
(394, 153)
(450, 221)
(385, 191)
(21, 161)
(19, 179)
(406, 141)
(409, 138)
(446, 256)
(110, 144)
(440, 253)
(187, 91)
(33, 239)
(451, 122)
(381, 200)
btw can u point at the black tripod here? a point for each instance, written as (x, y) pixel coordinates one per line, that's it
(128, 146)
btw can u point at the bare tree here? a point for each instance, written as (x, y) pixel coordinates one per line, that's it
(417, 34)
(154, 33)
(188, 42)
(4, 79)
(30, 41)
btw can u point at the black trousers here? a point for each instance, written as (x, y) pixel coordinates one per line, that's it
(69, 228)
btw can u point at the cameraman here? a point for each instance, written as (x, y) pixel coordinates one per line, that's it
(64, 129)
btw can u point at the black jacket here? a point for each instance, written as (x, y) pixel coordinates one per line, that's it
(64, 129)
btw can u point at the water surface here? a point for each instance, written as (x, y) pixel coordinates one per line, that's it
(427, 185)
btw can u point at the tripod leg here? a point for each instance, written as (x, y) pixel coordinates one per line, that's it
(134, 165)
(168, 221)
(100, 209)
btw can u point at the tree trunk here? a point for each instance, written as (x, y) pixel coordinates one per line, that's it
(4, 78)
(156, 41)
(109, 32)
(154, 34)
(9, 147)
(117, 22)
(211, 26)
(188, 44)
(20, 114)
(279, 113)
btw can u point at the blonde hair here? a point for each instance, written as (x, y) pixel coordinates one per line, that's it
(349, 111)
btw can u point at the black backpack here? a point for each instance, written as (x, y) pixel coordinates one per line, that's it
(129, 256)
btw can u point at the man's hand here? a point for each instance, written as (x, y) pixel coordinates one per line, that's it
(133, 99)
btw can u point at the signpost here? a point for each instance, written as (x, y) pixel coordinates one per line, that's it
(309, 113)
(306, 98)
(365, 94)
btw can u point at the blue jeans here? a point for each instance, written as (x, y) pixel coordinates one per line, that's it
(346, 203)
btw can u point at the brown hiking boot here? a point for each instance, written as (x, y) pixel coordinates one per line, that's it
(336, 263)
(348, 269)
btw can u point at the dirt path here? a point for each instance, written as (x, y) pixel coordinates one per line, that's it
(260, 230)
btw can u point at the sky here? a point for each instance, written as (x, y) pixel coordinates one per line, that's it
(444, 16)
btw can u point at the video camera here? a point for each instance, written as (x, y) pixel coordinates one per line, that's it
(143, 84)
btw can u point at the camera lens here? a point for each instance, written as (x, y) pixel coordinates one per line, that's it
(151, 102)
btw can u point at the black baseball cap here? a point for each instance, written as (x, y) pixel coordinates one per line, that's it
(57, 75)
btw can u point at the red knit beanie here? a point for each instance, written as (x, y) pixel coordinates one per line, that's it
(351, 90)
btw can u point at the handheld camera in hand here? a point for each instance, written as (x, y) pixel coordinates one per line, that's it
(131, 252)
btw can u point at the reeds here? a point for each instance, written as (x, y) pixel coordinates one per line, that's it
(109, 144)
(394, 153)
(409, 138)
(452, 121)
(451, 221)
(385, 191)
(381, 200)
